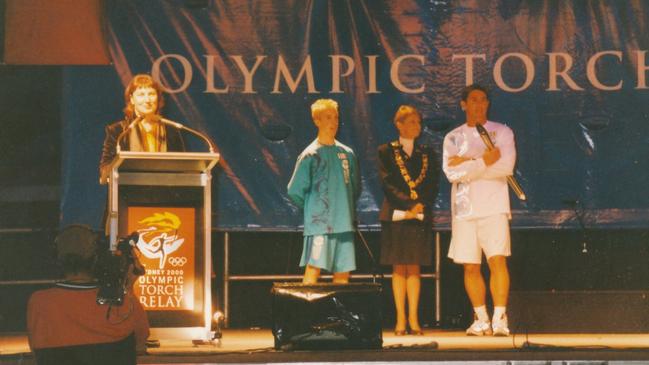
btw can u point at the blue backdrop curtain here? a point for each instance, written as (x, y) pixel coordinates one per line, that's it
(576, 140)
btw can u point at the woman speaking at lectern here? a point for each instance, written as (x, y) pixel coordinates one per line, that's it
(145, 131)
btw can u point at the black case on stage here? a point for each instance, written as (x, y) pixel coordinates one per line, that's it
(327, 316)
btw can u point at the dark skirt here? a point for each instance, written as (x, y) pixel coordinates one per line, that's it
(406, 243)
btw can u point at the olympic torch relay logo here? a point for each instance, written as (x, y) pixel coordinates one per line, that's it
(167, 247)
(159, 238)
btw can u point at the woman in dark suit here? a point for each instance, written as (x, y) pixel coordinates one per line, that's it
(409, 179)
(143, 99)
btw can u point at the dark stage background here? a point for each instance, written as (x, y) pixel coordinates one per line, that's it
(579, 117)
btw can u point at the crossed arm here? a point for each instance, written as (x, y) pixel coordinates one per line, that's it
(492, 164)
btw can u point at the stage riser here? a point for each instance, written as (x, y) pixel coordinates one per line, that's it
(579, 312)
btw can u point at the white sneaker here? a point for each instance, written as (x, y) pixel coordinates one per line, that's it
(479, 328)
(500, 326)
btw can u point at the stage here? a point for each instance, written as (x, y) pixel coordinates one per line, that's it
(256, 346)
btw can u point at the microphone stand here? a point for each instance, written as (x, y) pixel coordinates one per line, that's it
(125, 131)
(202, 136)
(511, 180)
(578, 208)
(375, 266)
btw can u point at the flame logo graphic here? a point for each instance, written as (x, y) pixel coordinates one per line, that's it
(159, 238)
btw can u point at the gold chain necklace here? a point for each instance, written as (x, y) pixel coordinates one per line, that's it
(404, 172)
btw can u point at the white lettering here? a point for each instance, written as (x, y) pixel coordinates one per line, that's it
(553, 72)
(468, 68)
(335, 71)
(371, 71)
(209, 78)
(591, 73)
(178, 73)
(529, 72)
(247, 74)
(642, 70)
(187, 68)
(394, 74)
(282, 70)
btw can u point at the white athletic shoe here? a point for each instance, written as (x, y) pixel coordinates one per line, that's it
(479, 328)
(500, 326)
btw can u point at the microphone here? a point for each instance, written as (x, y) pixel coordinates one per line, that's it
(511, 180)
(190, 130)
(121, 135)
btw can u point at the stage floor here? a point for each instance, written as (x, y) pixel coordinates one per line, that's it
(256, 346)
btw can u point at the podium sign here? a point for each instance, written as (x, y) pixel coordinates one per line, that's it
(166, 249)
(166, 198)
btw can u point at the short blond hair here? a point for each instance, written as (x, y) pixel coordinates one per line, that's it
(321, 105)
(404, 112)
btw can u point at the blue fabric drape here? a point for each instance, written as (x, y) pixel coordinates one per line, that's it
(574, 143)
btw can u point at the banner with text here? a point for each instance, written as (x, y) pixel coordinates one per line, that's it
(569, 77)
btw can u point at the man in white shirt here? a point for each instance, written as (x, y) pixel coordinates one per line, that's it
(480, 208)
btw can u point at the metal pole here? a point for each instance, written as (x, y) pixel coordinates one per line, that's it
(438, 279)
(113, 206)
(226, 279)
(206, 179)
(21, 230)
(29, 282)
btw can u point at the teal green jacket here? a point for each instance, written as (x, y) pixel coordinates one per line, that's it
(326, 184)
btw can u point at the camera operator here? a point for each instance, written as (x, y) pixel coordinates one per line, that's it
(66, 325)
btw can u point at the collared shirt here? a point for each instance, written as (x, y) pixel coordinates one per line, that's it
(407, 145)
(479, 190)
(326, 184)
(68, 315)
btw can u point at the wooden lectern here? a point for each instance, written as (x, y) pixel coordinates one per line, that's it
(166, 197)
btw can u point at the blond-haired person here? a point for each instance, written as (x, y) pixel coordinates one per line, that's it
(409, 175)
(325, 185)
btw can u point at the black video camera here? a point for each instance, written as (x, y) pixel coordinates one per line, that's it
(114, 269)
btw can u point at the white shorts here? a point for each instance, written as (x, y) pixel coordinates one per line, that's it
(472, 237)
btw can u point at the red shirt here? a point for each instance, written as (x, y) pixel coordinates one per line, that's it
(68, 315)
